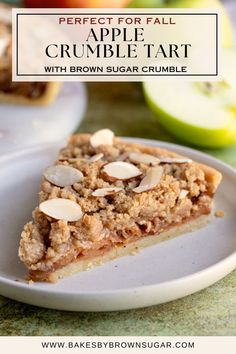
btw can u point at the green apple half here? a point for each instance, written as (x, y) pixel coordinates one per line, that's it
(226, 27)
(200, 113)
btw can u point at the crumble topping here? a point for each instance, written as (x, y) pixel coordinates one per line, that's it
(219, 213)
(112, 211)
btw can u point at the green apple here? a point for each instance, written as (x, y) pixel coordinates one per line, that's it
(227, 31)
(200, 113)
(145, 3)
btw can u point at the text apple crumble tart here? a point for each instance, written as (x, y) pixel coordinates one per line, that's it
(105, 197)
(39, 93)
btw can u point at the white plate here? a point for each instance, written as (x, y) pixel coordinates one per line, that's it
(158, 274)
(23, 126)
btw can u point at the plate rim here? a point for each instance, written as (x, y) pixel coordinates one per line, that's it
(219, 269)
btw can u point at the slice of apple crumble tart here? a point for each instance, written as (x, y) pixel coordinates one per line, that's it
(105, 197)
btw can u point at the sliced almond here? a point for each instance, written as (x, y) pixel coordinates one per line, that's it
(121, 170)
(61, 209)
(151, 180)
(174, 160)
(63, 176)
(183, 193)
(96, 157)
(143, 158)
(219, 213)
(103, 192)
(102, 137)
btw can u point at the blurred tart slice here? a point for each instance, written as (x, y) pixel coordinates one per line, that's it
(105, 197)
(35, 93)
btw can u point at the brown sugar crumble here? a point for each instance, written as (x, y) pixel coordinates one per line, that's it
(219, 213)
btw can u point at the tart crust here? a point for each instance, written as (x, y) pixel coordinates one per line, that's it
(118, 223)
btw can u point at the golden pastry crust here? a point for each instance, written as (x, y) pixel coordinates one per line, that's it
(183, 195)
(48, 96)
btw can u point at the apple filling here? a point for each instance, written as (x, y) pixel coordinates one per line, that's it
(104, 193)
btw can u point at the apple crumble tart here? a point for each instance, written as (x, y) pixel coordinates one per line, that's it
(39, 93)
(106, 197)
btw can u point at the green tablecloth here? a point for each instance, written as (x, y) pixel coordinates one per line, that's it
(212, 311)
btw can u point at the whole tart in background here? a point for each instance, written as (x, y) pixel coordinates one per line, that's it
(34, 93)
